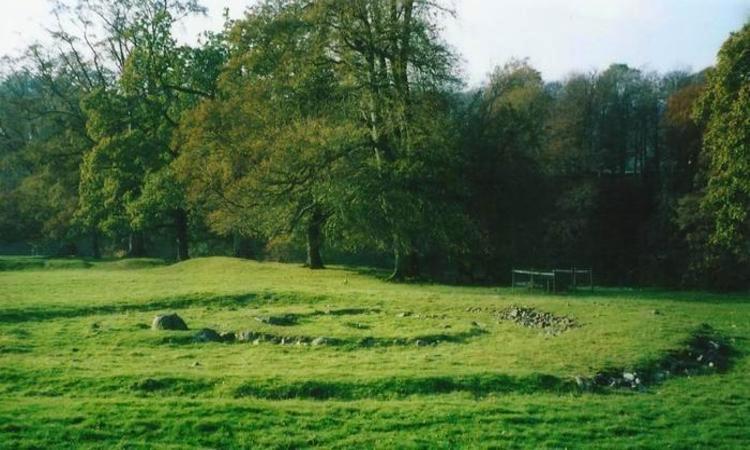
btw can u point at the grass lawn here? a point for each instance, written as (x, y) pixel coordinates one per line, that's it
(404, 365)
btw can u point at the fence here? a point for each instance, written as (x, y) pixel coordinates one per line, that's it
(556, 280)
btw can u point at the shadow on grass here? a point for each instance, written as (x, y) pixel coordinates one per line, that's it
(651, 294)
(397, 387)
(23, 263)
(37, 314)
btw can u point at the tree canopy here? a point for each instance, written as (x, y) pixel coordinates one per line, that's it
(330, 131)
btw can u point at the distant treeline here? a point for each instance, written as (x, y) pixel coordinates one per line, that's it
(314, 128)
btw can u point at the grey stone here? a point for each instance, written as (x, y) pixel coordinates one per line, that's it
(168, 322)
(246, 336)
(227, 336)
(207, 335)
(583, 383)
(284, 320)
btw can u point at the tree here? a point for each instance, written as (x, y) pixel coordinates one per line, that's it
(503, 141)
(263, 156)
(397, 68)
(725, 111)
(680, 169)
(128, 186)
(716, 219)
(42, 140)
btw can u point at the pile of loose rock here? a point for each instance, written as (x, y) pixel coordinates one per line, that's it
(532, 318)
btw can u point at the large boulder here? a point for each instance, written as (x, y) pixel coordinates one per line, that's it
(168, 322)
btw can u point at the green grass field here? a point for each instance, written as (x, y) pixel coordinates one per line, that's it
(405, 365)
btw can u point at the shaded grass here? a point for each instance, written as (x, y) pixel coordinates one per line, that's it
(399, 387)
(17, 263)
(41, 313)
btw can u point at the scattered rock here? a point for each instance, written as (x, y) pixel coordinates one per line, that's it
(245, 336)
(583, 383)
(532, 318)
(168, 322)
(367, 342)
(284, 320)
(207, 335)
(227, 336)
(611, 378)
(404, 314)
(258, 337)
(704, 353)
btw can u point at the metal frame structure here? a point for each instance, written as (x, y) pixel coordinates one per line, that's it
(551, 280)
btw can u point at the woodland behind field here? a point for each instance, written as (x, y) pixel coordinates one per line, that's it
(332, 131)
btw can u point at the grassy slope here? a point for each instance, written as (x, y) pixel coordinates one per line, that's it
(76, 360)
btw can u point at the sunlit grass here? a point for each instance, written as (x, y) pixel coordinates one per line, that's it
(80, 366)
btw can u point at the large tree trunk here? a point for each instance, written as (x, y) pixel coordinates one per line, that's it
(315, 240)
(405, 264)
(136, 245)
(96, 251)
(181, 227)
